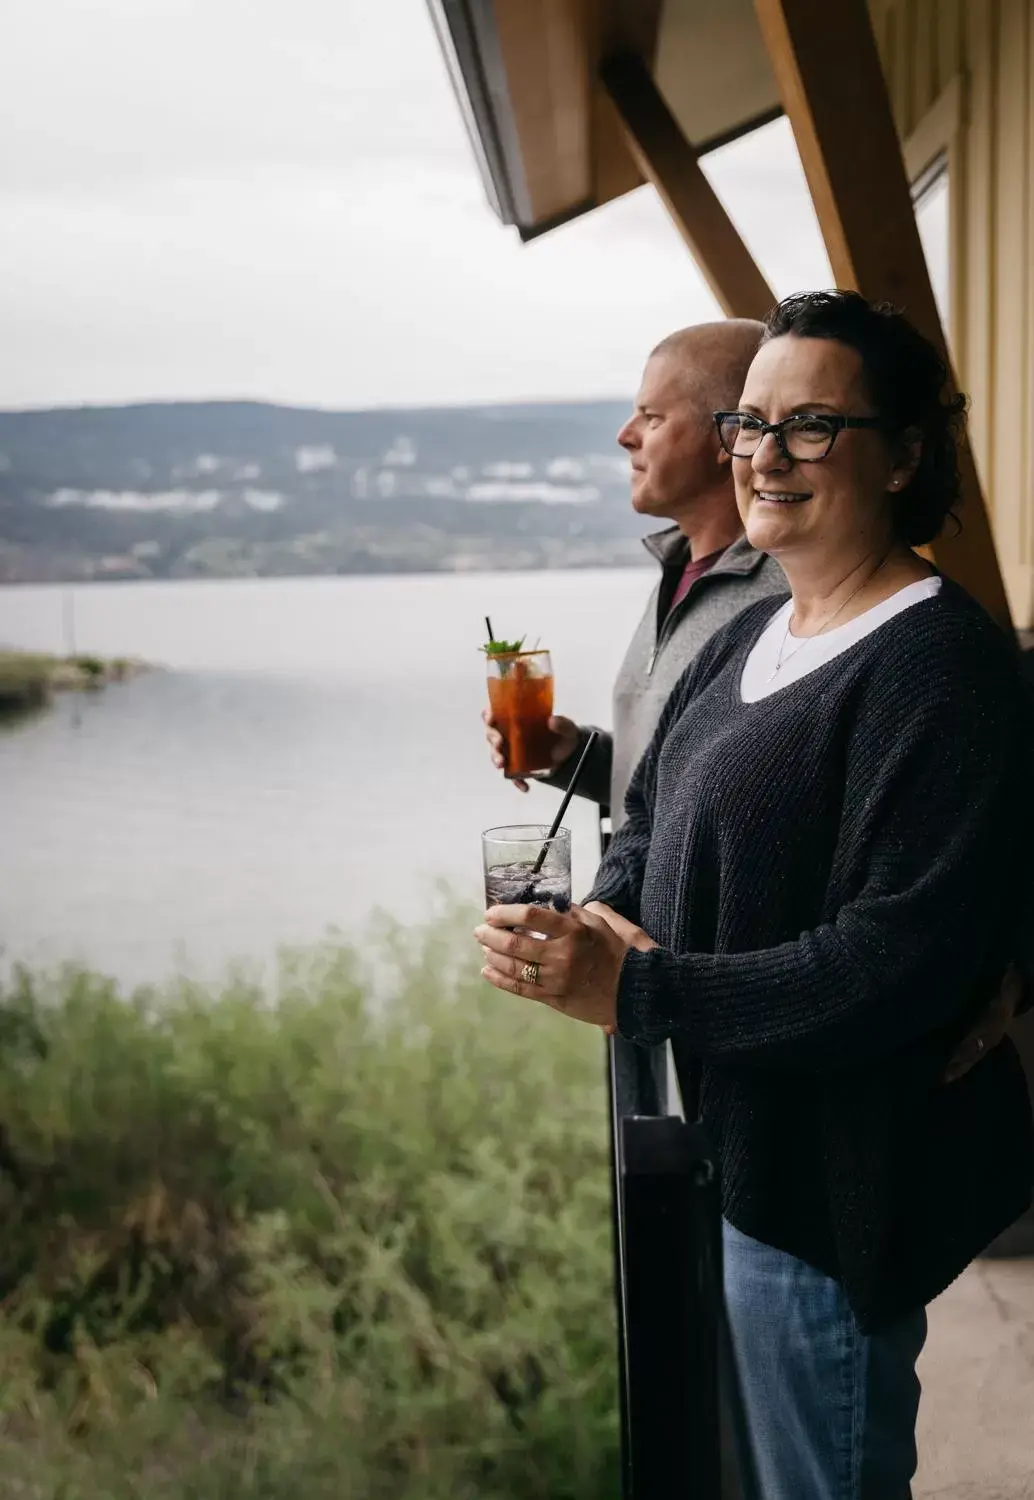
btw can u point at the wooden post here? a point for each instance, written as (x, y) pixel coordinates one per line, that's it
(668, 160)
(832, 86)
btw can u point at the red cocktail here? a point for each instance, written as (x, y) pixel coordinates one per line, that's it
(520, 692)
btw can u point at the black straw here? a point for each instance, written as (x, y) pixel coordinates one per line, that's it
(488, 627)
(572, 787)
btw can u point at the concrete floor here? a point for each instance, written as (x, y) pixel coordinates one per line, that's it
(976, 1421)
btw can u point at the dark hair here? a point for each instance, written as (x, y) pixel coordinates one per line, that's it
(907, 381)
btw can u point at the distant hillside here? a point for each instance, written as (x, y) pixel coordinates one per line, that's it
(222, 489)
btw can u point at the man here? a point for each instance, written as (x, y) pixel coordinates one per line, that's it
(709, 573)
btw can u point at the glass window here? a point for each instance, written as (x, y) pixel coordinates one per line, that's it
(930, 194)
(760, 180)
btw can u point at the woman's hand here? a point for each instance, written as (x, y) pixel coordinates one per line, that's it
(575, 970)
(634, 936)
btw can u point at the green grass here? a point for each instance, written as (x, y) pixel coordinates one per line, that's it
(91, 667)
(28, 678)
(20, 666)
(24, 681)
(301, 1241)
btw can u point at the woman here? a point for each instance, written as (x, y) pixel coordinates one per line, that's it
(815, 892)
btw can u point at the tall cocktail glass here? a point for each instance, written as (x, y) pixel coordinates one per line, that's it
(520, 693)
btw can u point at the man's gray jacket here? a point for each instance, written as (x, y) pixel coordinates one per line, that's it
(662, 648)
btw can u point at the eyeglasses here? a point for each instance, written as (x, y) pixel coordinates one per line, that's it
(805, 438)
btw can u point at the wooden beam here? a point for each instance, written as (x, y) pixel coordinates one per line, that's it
(668, 160)
(833, 90)
(629, 26)
(619, 26)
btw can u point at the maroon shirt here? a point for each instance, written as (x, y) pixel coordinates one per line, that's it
(694, 569)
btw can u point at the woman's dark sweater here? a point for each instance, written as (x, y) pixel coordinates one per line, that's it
(834, 876)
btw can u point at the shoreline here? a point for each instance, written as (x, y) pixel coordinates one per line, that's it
(29, 679)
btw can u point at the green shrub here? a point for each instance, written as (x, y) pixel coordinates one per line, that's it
(90, 666)
(24, 682)
(347, 1235)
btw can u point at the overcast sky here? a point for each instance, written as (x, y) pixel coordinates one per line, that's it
(276, 199)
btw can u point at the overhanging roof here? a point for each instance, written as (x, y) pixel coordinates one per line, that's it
(547, 139)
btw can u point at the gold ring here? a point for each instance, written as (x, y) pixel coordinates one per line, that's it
(530, 974)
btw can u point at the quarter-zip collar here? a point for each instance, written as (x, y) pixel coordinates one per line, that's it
(671, 549)
(671, 546)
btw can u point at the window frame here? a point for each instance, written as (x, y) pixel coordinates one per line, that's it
(932, 150)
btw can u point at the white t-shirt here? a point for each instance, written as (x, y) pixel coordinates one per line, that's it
(802, 654)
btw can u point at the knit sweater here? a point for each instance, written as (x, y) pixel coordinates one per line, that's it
(834, 878)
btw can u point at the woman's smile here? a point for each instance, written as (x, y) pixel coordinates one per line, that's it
(781, 497)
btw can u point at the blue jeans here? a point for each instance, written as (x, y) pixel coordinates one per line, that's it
(831, 1411)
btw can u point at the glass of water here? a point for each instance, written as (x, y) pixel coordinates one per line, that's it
(511, 854)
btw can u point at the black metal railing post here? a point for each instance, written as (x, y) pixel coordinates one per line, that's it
(617, 1241)
(684, 1433)
(671, 1338)
(621, 1100)
(686, 1429)
(636, 1085)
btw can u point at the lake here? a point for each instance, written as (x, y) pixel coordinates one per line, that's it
(309, 750)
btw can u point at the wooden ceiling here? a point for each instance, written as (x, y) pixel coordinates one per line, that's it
(559, 142)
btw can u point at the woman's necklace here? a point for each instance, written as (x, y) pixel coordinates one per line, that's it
(781, 659)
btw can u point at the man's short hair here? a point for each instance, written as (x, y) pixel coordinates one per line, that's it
(714, 357)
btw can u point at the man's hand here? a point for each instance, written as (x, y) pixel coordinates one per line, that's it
(565, 743)
(991, 1028)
